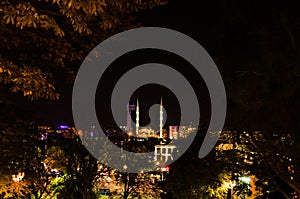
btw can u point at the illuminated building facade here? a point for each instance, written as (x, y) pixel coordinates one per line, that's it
(130, 108)
(146, 132)
(164, 152)
(174, 132)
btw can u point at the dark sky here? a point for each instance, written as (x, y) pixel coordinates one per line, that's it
(177, 15)
(248, 37)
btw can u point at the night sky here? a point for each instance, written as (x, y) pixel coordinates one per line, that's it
(233, 33)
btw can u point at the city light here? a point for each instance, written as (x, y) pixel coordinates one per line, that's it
(230, 185)
(165, 169)
(63, 127)
(18, 177)
(245, 179)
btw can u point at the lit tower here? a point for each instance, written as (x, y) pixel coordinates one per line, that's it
(161, 120)
(130, 107)
(137, 118)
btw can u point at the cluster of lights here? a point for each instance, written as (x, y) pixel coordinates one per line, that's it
(165, 169)
(245, 179)
(18, 177)
(230, 184)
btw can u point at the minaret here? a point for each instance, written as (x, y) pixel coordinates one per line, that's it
(137, 118)
(161, 120)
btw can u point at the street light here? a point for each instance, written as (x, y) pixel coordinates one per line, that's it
(18, 177)
(230, 185)
(164, 169)
(245, 179)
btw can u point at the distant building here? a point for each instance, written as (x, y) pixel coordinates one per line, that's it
(64, 131)
(164, 152)
(174, 132)
(185, 131)
(146, 132)
(130, 108)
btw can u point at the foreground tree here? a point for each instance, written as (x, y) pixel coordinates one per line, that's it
(42, 41)
(21, 151)
(69, 29)
(276, 153)
(138, 185)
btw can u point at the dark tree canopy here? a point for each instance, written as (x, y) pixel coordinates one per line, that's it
(42, 37)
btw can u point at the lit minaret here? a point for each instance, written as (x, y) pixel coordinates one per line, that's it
(161, 120)
(137, 118)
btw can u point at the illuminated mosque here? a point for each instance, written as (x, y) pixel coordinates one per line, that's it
(145, 132)
(162, 152)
